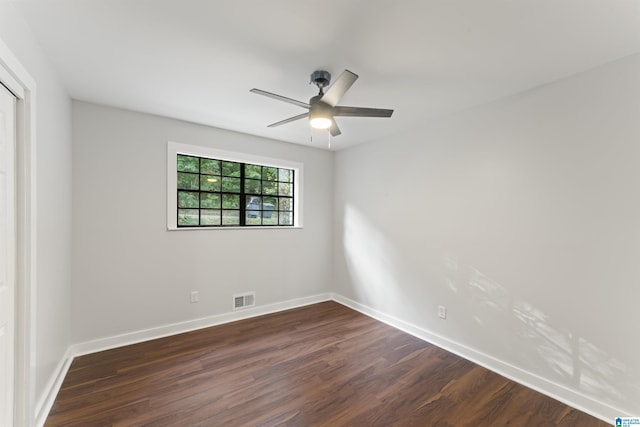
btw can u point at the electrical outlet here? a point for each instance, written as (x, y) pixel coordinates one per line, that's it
(195, 296)
(442, 312)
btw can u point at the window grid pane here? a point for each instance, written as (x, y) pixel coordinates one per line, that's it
(218, 193)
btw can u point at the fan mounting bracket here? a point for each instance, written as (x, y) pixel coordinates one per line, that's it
(321, 78)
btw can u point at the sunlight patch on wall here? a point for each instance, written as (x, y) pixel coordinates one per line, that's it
(370, 262)
(450, 264)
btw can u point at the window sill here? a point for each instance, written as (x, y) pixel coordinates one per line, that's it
(257, 227)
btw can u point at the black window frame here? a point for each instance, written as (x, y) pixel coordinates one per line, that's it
(285, 210)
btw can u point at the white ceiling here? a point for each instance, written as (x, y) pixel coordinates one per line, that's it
(196, 60)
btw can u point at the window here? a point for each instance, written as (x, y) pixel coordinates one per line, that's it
(212, 188)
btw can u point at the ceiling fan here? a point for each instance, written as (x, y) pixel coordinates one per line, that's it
(323, 107)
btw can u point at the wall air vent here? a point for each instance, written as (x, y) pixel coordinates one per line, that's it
(244, 300)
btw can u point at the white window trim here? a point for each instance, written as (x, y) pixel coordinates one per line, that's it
(175, 148)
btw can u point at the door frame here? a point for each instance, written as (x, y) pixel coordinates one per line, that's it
(16, 78)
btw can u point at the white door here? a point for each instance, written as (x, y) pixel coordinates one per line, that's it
(7, 255)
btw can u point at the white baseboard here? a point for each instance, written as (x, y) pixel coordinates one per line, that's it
(191, 325)
(44, 404)
(549, 388)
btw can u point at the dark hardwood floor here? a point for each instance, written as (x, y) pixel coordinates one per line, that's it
(320, 365)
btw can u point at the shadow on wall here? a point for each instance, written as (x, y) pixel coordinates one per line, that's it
(567, 357)
(526, 333)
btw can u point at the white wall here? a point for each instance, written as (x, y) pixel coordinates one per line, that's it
(131, 274)
(53, 160)
(522, 217)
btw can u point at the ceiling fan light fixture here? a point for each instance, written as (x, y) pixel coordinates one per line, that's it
(320, 115)
(324, 106)
(320, 122)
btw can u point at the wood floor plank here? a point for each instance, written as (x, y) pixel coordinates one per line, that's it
(320, 365)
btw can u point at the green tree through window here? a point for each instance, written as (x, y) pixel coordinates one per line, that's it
(218, 193)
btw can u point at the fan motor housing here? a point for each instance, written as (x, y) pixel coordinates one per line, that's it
(320, 108)
(314, 99)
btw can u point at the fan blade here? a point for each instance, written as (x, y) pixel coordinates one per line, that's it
(335, 130)
(339, 88)
(290, 119)
(361, 112)
(280, 98)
